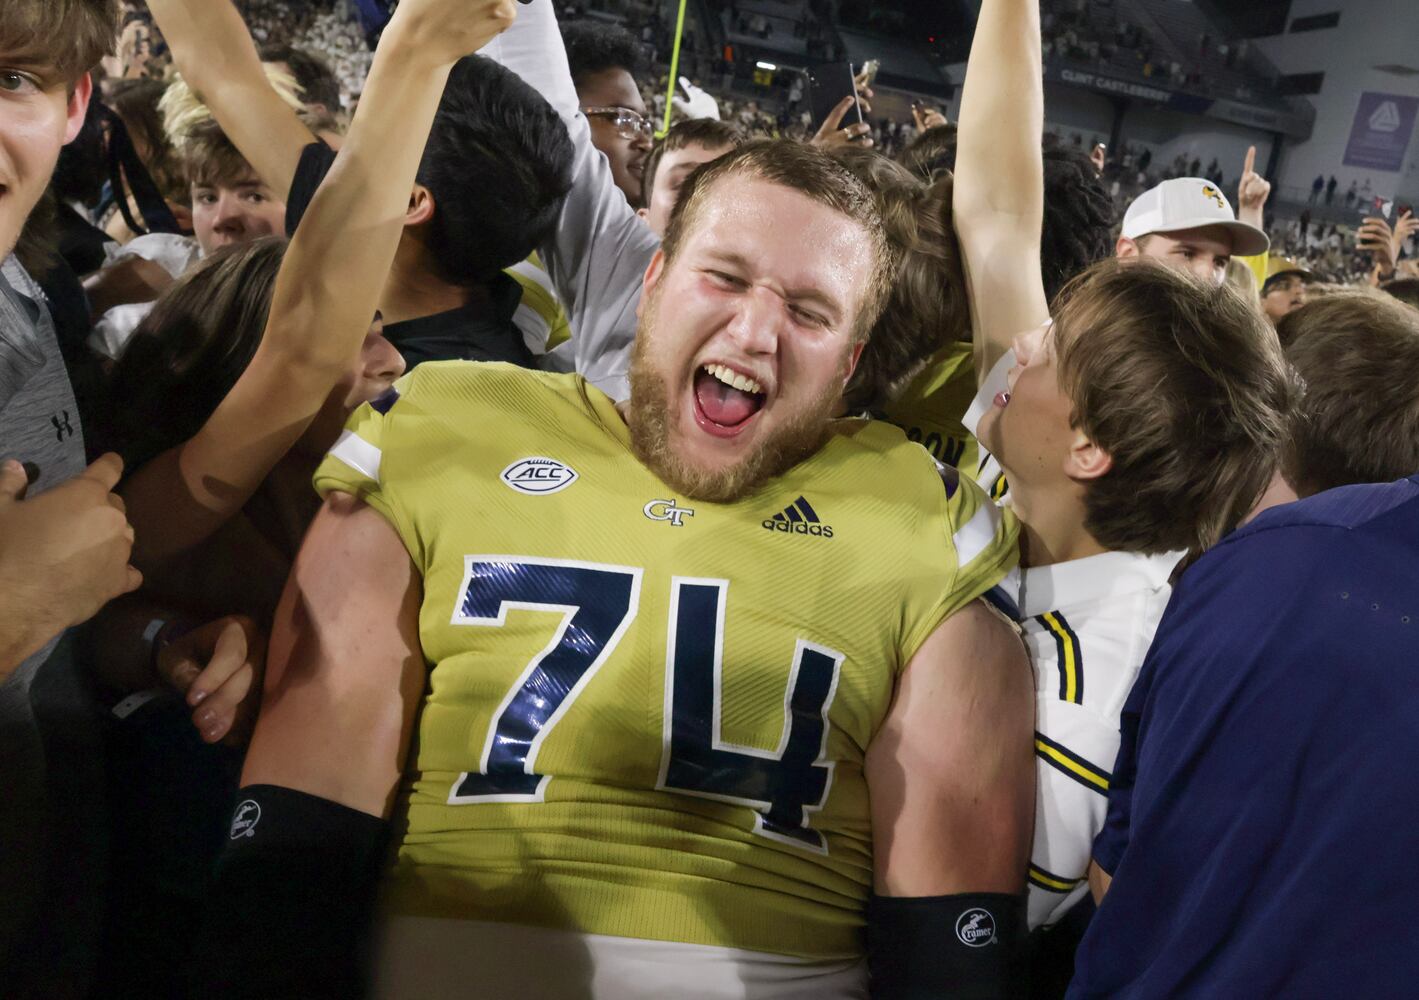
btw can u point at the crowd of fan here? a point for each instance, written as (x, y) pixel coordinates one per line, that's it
(230, 215)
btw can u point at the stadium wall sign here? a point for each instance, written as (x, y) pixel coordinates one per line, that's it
(1381, 131)
(1293, 124)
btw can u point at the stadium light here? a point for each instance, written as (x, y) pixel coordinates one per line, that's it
(771, 67)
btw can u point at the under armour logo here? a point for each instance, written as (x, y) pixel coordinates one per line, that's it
(62, 427)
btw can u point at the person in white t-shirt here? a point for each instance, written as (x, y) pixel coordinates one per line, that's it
(1138, 424)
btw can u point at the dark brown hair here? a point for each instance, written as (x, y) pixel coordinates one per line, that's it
(707, 132)
(928, 306)
(72, 35)
(136, 102)
(1358, 418)
(1406, 290)
(811, 172)
(190, 350)
(1184, 385)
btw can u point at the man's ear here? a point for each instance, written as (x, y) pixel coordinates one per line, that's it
(1126, 248)
(78, 107)
(852, 359)
(652, 277)
(1086, 459)
(421, 206)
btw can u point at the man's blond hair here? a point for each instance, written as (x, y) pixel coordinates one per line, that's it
(813, 173)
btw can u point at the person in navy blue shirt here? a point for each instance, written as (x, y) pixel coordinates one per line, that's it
(1262, 811)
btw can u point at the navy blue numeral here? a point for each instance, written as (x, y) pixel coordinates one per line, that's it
(597, 603)
(782, 786)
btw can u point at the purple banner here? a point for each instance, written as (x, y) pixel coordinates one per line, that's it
(1380, 135)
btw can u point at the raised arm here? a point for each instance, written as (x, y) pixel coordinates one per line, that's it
(998, 202)
(216, 56)
(294, 890)
(952, 781)
(328, 287)
(600, 249)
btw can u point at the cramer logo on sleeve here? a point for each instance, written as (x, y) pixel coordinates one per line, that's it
(244, 821)
(538, 476)
(975, 928)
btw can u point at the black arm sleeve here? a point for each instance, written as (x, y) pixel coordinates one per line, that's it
(969, 946)
(316, 161)
(290, 909)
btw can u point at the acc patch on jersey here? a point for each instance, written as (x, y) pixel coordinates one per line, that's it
(539, 475)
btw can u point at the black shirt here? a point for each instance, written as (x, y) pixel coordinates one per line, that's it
(483, 330)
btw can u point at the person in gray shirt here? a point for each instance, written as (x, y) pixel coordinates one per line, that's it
(64, 539)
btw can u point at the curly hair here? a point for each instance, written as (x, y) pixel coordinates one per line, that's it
(931, 153)
(1079, 219)
(593, 47)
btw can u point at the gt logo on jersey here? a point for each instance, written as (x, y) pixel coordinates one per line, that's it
(538, 476)
(798, 518)
(666, 510)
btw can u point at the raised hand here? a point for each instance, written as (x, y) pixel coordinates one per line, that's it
(926, 118)
(447, 30)
(1377, 238)
(1098, 156)
(830, 134)
(696, 103)
(1404, 229)
(1252, 192)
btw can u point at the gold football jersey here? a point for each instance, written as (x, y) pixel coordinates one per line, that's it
(647, 716)
(930, 408)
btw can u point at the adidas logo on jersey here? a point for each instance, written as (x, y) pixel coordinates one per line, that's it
(798, 518)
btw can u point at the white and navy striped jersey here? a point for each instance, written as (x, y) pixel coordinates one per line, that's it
(1087, 624)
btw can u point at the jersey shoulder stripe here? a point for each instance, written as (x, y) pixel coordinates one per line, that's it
(1085, 772)
(1071, 655)
(1050, 882)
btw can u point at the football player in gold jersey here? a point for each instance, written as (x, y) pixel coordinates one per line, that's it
(619, 681)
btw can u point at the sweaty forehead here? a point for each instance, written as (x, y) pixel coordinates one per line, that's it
(610, 88)
(785, 236)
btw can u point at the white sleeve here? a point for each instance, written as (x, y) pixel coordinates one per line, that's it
(532, 48)
(996, 381)
(1074, 754)
(600, 250)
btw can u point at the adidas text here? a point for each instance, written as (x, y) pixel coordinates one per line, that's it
(800, 528)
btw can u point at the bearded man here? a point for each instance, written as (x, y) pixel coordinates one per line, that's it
(617, 681)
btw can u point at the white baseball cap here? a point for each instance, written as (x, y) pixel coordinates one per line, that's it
(1191, 203)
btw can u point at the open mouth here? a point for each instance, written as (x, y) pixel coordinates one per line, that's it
(726, 401)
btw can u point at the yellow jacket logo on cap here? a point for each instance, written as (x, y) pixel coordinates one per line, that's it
(1208, 191)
